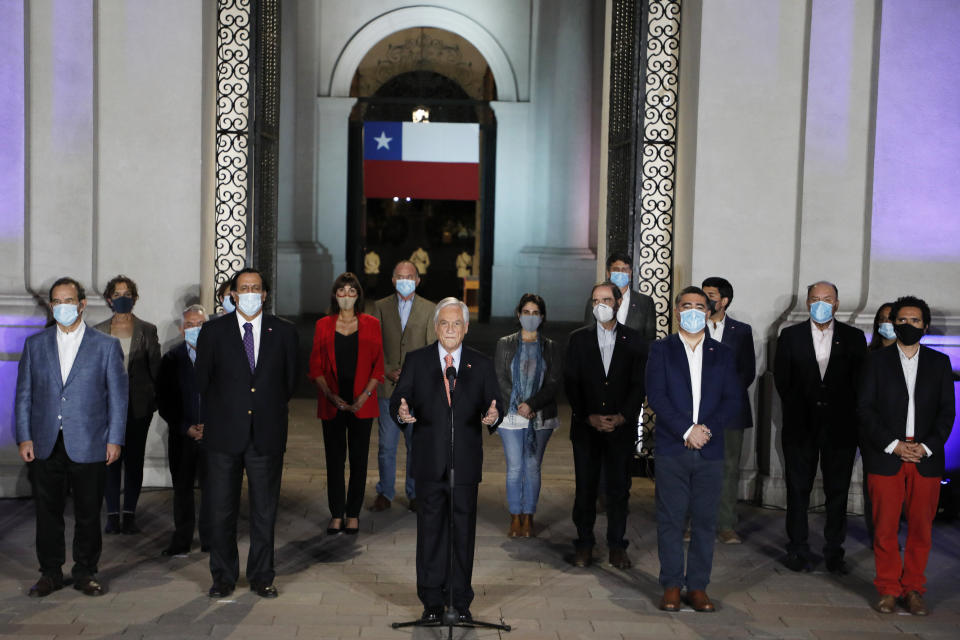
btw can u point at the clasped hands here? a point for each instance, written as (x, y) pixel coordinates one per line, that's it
(605, 423)
(698, 437)
(342, 405)
(910, 451)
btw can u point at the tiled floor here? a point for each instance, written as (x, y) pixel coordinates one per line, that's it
(344, 587)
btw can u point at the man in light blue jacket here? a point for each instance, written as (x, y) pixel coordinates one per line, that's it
(71, 410)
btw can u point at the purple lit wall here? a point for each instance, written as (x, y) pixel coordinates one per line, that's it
(11, 122)
(915, 243)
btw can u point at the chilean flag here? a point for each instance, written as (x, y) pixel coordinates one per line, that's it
(427, 160)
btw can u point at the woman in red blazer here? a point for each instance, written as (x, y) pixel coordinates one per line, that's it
(347, 365)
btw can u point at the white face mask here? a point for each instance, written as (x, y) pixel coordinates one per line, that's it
(346, 302)
(250, 303)
(603, 313)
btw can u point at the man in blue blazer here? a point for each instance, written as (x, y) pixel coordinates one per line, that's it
(739, 337)
(71, 413)
(693, 388)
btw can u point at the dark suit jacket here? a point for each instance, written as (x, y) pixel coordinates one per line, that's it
(641, 317)
(421, 384)
(591, 391)
(807, 401)
(143, 366)
(545, 398)
(236, 406)
(738, 336)
(883, 409)
(419, 332)
(178, 396)
(670, 394)
(91, 405)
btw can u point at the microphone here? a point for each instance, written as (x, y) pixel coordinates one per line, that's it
(451, 374)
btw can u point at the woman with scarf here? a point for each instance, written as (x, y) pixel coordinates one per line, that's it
(530, 373)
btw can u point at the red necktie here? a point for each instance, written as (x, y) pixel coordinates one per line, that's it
(448, 360)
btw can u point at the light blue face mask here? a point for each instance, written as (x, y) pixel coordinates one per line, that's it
(65, 314)
(228, 305)
(191, 335)
(821, 311)
(620, 278)
(250, 303)
(530, 323)
(405, 287)
(693, 320)
(886, 330)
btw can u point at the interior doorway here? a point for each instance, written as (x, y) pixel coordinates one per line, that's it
(437, 77)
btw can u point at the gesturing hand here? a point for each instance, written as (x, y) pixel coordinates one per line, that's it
(492, 414)
(404, 412)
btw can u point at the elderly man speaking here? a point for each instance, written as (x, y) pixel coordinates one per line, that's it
(441, 382)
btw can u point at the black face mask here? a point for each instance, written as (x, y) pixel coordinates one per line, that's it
(907, 333)
(122, 304)
(711, 306)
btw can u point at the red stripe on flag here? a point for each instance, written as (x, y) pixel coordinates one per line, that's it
(424, 180)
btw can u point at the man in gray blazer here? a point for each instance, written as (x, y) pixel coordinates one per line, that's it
(637, 310)
(71, 410)
(406, 322)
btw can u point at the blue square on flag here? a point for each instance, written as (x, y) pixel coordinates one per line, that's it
(382, 140)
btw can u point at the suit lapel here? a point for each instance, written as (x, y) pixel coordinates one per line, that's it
(835, 344)
(680, 355)
(392, 315)
(619, 345)
(54, 360)
(593, 353)
(266, 340)
(136, 340)
(807, 340)
(463, 375)
(81, 354)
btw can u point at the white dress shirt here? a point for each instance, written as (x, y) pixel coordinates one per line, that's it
(68, 344)
(822, 341)
(456, 357)
(256, 322)
(716, 328)
(909, 366)
(624, 307)
(695, 363)
(607, 340)
(403, 308)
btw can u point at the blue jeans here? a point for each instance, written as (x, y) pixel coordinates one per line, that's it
(523, 468)
(687, 484)
(389, 432)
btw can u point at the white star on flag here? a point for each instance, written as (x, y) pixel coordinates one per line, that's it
(383, 142)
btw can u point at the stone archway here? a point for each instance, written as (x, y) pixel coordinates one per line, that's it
(409, 17)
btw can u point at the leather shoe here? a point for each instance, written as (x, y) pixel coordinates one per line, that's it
(514, 531)
(913, 601)
(797, 562)
(351, 531)
(220, 590)
(838, 566)
(88, 587)
(583, 557)
(465, 617)
(670, 600)
(380, 503)
(619, 558)
(44, 587)
(413, 505)
(113, 523)
(728, 536)
(332, 530)
(129, 524)
(885, 604)
(431, 615)
(526, 525)
(700, 601)
(175, 550)
(264, 590)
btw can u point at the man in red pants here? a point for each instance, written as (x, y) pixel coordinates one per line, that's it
(907, 411)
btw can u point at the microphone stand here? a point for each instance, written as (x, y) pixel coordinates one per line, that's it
(451, 617)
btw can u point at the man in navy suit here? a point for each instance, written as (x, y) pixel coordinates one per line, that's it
(246, 373)
(739, 337)
(178, 399)
(71, 413)
(907, 407)
(693, 388)
(441, 382)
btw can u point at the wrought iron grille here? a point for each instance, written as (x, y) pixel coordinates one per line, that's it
(653, 231)
(248, 97)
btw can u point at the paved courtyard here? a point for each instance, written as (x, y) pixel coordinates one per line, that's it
(354, 587)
